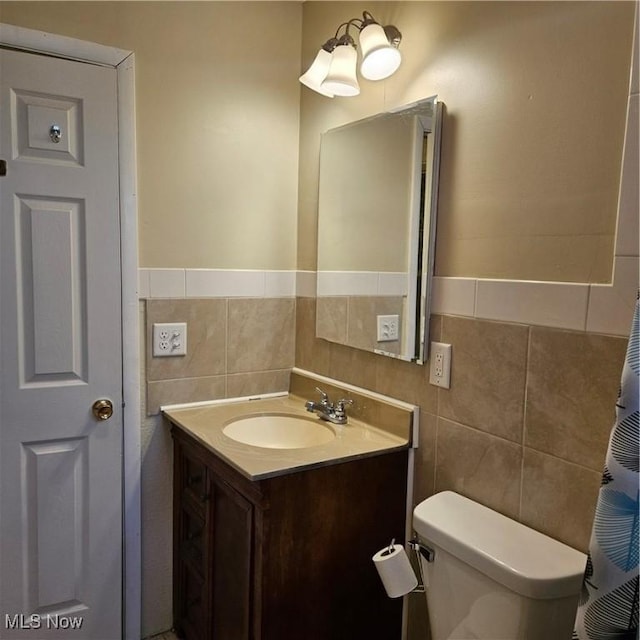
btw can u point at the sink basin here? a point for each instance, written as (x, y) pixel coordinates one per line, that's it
(279, 431)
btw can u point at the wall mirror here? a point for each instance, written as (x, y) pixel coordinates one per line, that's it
(377, 211)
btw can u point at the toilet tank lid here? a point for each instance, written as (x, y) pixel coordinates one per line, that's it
(524, 560)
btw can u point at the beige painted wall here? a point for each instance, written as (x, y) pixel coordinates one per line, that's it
(536, 95)
(217, 98)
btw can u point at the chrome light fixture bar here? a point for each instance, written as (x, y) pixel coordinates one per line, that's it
(333, 71)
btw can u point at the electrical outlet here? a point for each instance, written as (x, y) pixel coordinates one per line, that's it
(440, 365)
(388, 328)
(169, 339)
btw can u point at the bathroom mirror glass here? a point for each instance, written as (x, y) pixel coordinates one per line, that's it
(376, 230)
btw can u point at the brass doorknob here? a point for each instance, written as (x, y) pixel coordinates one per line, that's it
(102, 409)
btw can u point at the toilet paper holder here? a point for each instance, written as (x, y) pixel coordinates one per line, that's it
(418, 548)
(421, 549)
(397, 572)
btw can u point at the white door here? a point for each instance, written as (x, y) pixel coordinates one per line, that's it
(60, 344)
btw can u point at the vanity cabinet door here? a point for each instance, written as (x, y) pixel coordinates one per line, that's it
(213, 548)
(288, 557)
(232, 522)
(191, 594)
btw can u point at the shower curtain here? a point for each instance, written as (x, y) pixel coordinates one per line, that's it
(608, 606)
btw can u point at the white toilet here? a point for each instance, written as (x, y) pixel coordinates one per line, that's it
(493, 578)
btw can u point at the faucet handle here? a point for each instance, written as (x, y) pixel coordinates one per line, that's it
(324, 397)
(340, 406)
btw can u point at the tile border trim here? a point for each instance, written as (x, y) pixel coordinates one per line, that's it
(596, 308)
(362, 283)
(220, 283)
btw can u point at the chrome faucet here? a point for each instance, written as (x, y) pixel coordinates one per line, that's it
(327, 410)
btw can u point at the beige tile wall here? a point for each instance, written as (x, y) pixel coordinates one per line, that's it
(236, 347)
(352, 320)
(524, 427)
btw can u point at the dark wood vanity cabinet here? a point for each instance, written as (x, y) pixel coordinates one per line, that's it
(288, 557)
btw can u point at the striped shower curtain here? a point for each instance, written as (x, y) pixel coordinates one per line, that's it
(608, 608)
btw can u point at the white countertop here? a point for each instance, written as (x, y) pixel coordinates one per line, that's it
(205, 423)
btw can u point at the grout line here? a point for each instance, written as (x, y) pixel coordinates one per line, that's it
(527, 362)
(226, 347)
(565, 461)
(295, 330)
(475, 298)
(481, 431)
(586, 312)
(435, 454)
(520, 501)
(348, 315)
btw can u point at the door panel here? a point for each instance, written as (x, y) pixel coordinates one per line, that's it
(56, 502)
(35, 113)
(50, 246)
(61, 349)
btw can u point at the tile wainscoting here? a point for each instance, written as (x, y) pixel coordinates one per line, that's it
(523, 429)
(236, 347)
(515, 433)
(525, 425)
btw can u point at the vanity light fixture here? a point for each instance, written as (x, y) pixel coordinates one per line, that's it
(333, 71)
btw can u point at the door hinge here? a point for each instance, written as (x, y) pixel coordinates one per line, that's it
(3, 168)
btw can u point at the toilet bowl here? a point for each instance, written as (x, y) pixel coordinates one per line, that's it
(492, 578)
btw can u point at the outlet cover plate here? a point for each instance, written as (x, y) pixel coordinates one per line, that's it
(388, 328)
(440, 365)
(169, 339)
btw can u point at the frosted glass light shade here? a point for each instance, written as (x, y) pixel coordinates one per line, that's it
(379, 58)
(317, 72)
(341, 79)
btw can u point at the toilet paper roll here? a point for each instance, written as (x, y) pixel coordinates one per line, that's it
(395, 571)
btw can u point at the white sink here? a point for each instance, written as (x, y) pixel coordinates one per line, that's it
(279, 431)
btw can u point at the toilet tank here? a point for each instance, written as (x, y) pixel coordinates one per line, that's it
(493, 578)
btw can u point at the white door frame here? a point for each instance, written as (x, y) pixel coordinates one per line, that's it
(123, 62)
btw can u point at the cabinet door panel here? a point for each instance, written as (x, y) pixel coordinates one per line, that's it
(192, 609)
(231, 530)
(194, 481)
(191, 594)
(192, 549)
